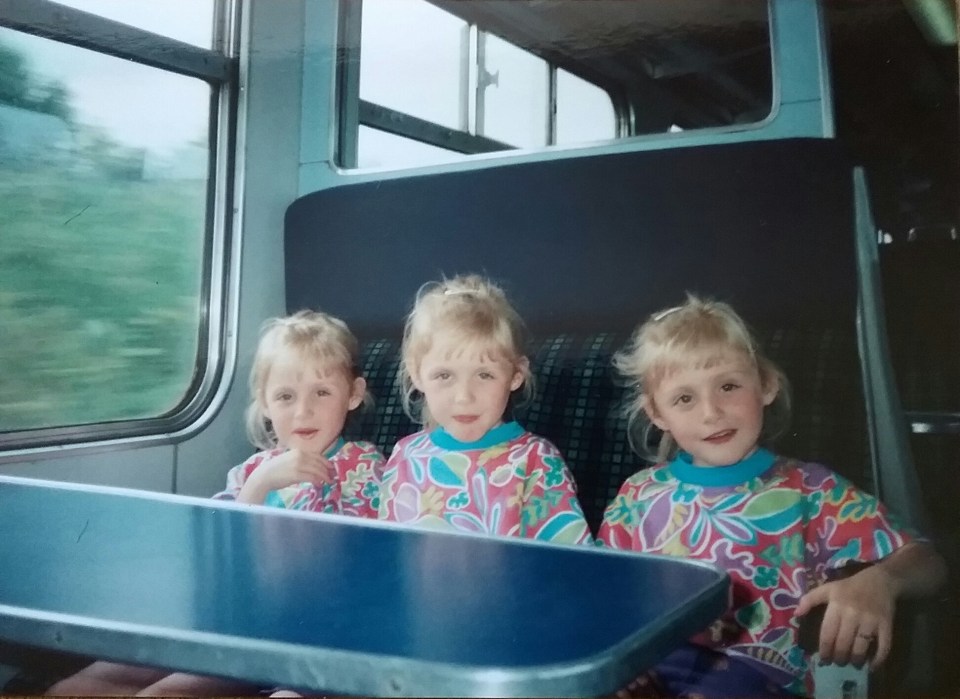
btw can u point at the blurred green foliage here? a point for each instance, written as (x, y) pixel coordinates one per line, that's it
(20, 88)
(100, 281)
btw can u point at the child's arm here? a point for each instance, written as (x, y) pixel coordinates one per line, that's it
(238, 475)
(288, 468)
(550, 509)
(859, 609)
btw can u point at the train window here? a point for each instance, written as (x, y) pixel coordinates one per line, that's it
(584, 111)
(512, 97)
(105, 178)
(475, 76)
(410, 59)
(451, 86)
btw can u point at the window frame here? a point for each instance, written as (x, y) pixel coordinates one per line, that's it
(218, 66)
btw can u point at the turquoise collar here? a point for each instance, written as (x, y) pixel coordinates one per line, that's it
(334, 448)
(745, 470)
(498, 435)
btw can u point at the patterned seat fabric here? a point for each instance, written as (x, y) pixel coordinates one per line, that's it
(384, 422)
(828, 421)
(579, 403)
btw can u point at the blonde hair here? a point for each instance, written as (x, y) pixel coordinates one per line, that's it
(475, 311)
(314, 336)
(698, 333)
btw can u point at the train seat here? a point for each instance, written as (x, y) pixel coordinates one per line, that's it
(587, 247)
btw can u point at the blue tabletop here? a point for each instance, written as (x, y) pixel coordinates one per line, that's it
(333, 603)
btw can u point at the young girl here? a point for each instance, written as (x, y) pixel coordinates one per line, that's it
(471, 468)
(303, 384)
(781, 528)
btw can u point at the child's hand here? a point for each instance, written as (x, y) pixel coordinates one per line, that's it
(858, 617)
(288, 468)
(297, 466)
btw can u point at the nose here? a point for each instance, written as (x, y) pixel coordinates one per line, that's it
(463, 392)
(710, 408)
(305, 406)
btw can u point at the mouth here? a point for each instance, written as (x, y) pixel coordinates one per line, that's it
(466, 419)
(721, 437)
(305, 433)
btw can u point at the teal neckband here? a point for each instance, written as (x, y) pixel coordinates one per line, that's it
(334, 448)
(498, 435)
(747, 469)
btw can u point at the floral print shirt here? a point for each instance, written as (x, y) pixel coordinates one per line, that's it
(508, 483)
(776, 525)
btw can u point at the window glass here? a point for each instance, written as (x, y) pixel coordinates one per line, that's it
(410, 59)
(584, 111)
(382, 149)
(103, 179)
(515, 106)
(190, 21)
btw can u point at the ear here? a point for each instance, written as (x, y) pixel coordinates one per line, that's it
(519, 373)
(771, 388)
(415, 378)
(650, 408)
(357, 392)
(264, 407)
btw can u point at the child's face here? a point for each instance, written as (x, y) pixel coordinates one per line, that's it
(466, 388)
(715, 413)
(307, 401)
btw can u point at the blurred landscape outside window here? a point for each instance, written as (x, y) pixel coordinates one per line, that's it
(103, 182)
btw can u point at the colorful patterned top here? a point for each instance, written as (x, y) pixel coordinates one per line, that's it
(356, 491)
(776, 525)
(508, 483)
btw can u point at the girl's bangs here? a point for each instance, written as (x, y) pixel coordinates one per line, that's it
(331, 356)
(668, 359)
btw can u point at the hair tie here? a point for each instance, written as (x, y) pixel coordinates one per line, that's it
(663, 314)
